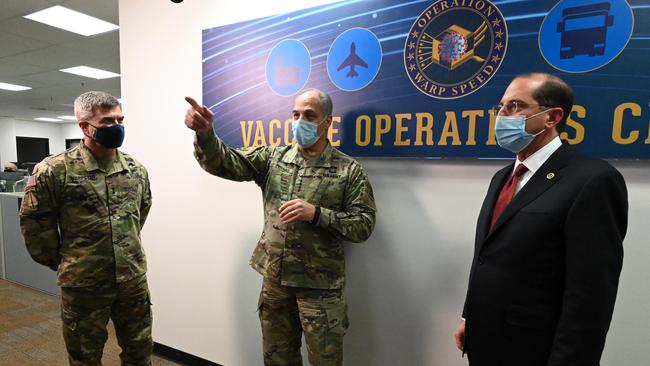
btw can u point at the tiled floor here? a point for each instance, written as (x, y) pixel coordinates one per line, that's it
(30, 330)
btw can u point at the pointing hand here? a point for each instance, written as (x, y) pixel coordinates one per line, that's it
(198, 118)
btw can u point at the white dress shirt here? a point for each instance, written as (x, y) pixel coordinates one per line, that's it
(536, 160)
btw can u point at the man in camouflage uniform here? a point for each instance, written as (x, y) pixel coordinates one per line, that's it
(81, 216)
(315, 198)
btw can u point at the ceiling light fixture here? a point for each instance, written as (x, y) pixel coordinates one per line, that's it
(13, 87)
(68, 118)
(72, 21)
(47, 119)
(90, 72)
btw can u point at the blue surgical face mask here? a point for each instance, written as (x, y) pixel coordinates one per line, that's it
(305, 132)
(109, 137)
(511, 132)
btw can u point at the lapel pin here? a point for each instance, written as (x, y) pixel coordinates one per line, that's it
(550, 176)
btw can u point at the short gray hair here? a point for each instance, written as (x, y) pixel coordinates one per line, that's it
(87, 103)
(325, 100)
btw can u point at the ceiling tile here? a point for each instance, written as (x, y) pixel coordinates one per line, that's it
(37, 31)
(13, 44)
(19, 8)
(54, 77)
(17, 69)
(111, 63)
(104, 10)
(54, 57)
(103, 51)
(25, 100)
(106, 41)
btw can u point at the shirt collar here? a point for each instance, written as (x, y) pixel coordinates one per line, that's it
(90, 163)
(539, 157)
(294, 156)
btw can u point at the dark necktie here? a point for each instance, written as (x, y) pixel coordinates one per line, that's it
(507, 192)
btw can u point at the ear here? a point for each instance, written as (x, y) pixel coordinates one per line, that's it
(85, 128)
(328, 122)
(554, 116)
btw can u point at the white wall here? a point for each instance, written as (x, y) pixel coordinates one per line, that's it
(51, 131)
(54, 132)
(7, 140)
(70, 131)
(405, 285)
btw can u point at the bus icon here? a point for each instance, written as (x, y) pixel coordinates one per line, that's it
(584, 30)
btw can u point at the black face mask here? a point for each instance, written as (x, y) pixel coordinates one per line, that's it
(109, 137)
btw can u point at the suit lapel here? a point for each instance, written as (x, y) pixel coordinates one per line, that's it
(544, 178)
(485, 216)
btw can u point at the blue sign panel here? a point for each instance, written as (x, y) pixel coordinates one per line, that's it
(583, 35)
(354, 59)
(288, 66)
(417, 78)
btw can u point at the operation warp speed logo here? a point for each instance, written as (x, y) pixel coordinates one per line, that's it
(454, 47)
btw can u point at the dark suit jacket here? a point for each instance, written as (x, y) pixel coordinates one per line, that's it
(543, 281)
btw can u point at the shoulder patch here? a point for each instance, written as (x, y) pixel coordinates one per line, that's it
(31, 181)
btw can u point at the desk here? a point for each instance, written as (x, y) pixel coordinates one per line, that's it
(16, 265)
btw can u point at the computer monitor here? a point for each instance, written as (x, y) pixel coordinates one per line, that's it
(9, 179)
(29, 166)
(12, 175)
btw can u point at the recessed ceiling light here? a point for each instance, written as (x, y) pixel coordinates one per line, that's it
(72, 21)
(13, 87)
(68, 118)
(47, 119)
(90, 72)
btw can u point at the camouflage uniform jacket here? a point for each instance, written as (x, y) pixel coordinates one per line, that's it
(299, 254)
(85, 219)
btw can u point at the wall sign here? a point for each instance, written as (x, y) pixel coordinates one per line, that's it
(417, 78)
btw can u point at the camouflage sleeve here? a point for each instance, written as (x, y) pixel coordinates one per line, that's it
(218, 159)
(145, 203)
(357, 220)
(38, 217)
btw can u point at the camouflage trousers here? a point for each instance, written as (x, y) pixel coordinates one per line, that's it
(85, 312)
(286, 312)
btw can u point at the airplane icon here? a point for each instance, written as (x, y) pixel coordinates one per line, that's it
(352, 61)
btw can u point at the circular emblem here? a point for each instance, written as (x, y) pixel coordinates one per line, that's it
(584, 35)
(452, 49)
(288, 67)
(354, 59)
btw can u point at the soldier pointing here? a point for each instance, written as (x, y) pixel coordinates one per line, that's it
(315, 199)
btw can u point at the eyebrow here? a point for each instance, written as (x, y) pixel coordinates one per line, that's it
(107, 118)
(306, 111)
(514, 100)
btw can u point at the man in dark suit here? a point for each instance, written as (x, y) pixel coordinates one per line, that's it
(548, 250)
